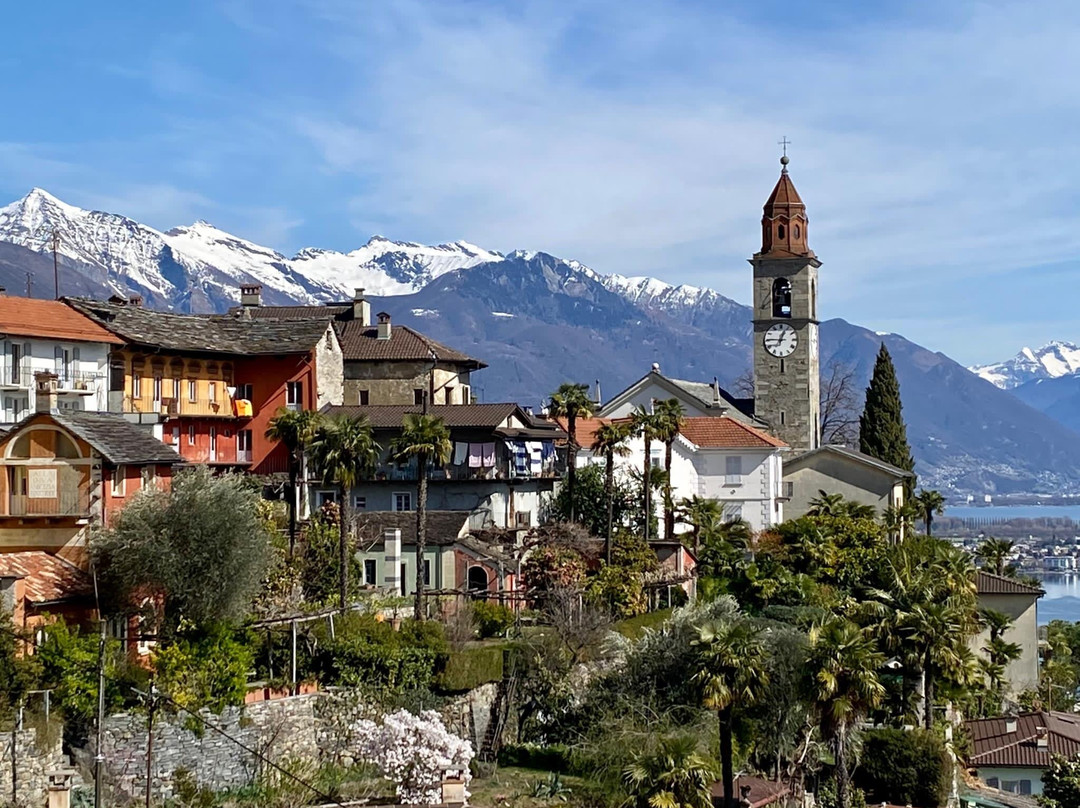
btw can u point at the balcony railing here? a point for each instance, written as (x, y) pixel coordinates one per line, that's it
(243, 455)
(80, 380)
(69, 501)
(21, 377)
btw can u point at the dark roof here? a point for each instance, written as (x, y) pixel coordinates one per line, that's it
(116, 439)
(987, 583)
(47, 578)
(703, 395)
(210, 333)
(330, 311)
(391, 416)
(360, 343)
(993, 745)
(443, 527)
(850, 454)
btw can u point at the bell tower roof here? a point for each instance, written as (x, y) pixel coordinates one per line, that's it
(784, 223)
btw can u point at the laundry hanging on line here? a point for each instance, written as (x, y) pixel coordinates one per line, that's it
(461, 453)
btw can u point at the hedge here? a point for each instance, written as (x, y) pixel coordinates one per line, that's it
(904, 767)
(467, 669)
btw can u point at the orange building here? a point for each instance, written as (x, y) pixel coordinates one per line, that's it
(208, 385)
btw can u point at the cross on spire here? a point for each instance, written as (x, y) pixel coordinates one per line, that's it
(784, 159)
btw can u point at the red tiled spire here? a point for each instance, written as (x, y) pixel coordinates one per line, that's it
(784, 223)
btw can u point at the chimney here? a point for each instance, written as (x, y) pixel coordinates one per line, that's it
(715, 390)
(361, 309)
(384, 325)
(45, 383)
(135, 300)
(3, 291)
(599, 398)
(1010, 724)
(1042, 738)
(392, 558)
(251, 296)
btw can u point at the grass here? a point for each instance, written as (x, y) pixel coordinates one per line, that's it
(634, 627)
(513, 787)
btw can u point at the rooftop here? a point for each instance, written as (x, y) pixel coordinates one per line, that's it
(391, 416)
(49, 319)
(443, 527)
(47, 578)
(360, 343)
(993, 745)
(117, 440)
(726, 433)
(197, 333)
(843, 452)
(987, 583)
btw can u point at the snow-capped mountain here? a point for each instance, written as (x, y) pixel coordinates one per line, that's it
(693, 305)
(1051, 361)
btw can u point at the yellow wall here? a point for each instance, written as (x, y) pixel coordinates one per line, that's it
(170, 368)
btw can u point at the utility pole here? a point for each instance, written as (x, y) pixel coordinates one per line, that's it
(56, 261)
(150, 707)
(99, 756)
(29, 284)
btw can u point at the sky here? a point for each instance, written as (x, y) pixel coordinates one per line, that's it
(933, 143)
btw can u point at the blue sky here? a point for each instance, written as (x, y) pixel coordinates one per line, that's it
(932, 142)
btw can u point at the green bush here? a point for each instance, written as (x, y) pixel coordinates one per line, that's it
(205, 668)
(550, 758)
(904, 768)
(368, 653)
(492, 619)
(470, 668)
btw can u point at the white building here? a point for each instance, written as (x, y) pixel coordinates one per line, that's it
(47, 335)
(714, 457)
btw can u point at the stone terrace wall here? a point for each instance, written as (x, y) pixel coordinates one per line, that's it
(33, 762)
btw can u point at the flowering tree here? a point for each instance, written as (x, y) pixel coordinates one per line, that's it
(414, 751)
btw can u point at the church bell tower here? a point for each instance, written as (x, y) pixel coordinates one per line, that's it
(786, 363)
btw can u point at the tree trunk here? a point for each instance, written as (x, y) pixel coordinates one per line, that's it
(343, 550)
(293, 476)
(727, 757)
(929, 524)
(843, 799)
(609, 494)
(421, 533)
(646, 479)
(928, 693)
(571, 460)
(669, 511)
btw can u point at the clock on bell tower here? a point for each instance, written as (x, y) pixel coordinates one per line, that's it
(786, 363)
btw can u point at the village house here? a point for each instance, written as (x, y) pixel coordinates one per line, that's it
(1010, 753)
(47, 335)
(713, 457)
(503, 466)
(1018, 600)
(698, 399)
(857, 477)
(384, 364)
(209, 385)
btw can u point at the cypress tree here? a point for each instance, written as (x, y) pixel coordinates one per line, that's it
(882, 433)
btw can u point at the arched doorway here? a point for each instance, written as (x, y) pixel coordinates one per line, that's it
(477, 579)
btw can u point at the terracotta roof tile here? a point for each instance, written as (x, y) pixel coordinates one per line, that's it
(987, 583)
(47, 578)
(49, 319)
(993, 745)
(726, 433)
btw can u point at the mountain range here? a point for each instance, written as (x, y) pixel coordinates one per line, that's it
(1047, 378)
(540, 320)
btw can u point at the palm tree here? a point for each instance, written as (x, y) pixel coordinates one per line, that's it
(675, 775)
(647, 425)
(940, 629)
(845, 661)
(609, 441)
(825, 504)
(294, 429)
(345, 452)
(669, 413)
(994, 554)
(731, 671)
(426, 438)
(929, 503)
(571, 401)
(701, 514)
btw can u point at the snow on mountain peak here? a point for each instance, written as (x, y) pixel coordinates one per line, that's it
(1054, 359)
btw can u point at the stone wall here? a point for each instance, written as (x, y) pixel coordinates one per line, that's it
(34, 759)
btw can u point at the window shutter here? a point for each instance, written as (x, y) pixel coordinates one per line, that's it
(58, 360)
(75, 354)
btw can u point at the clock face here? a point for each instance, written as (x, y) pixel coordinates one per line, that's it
(781, 340)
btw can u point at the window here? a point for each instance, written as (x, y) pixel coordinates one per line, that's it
(211, 392)
(733, 470)
(191, 435)
(402, 501)
(783, 418)
(213, 443)
(783, 367)
(427, 572)
(244, 392)
(243, 445)
(149, 476)
(136, 386)
(362, 398)
(360, 503)
(294, 395)
(176, 434)
(118, 475)
(325, 498)
(192, 390)
(780, 231)
(369, 572)
(992, 782)
(449, 395)
(404, 580)
(157, 389)
(797, 231)
(177, 387)
(418, 395)
(732, 511)
(657, 460)
(781, 298)
(477, 579)
(466, 394)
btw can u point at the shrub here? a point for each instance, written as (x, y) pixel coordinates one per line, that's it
(470, 668)
(904, 768)
(550, 758)
(205, 669)
(492, 619)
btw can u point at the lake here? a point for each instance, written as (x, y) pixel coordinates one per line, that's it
(1001, 512)
(1062, 598)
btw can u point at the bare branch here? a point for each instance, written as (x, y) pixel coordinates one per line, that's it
(839, 404)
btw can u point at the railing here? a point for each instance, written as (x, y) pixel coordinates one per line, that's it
(77, 379)
(243, 455)
(68, 502)
(16, 376)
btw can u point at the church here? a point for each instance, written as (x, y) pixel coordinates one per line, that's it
(786, 400)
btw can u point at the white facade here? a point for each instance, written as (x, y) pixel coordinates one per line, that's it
(80, 366)
(746, 481)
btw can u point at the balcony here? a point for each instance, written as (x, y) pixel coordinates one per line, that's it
(77, 381)
(16, 378)
(243, 455)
